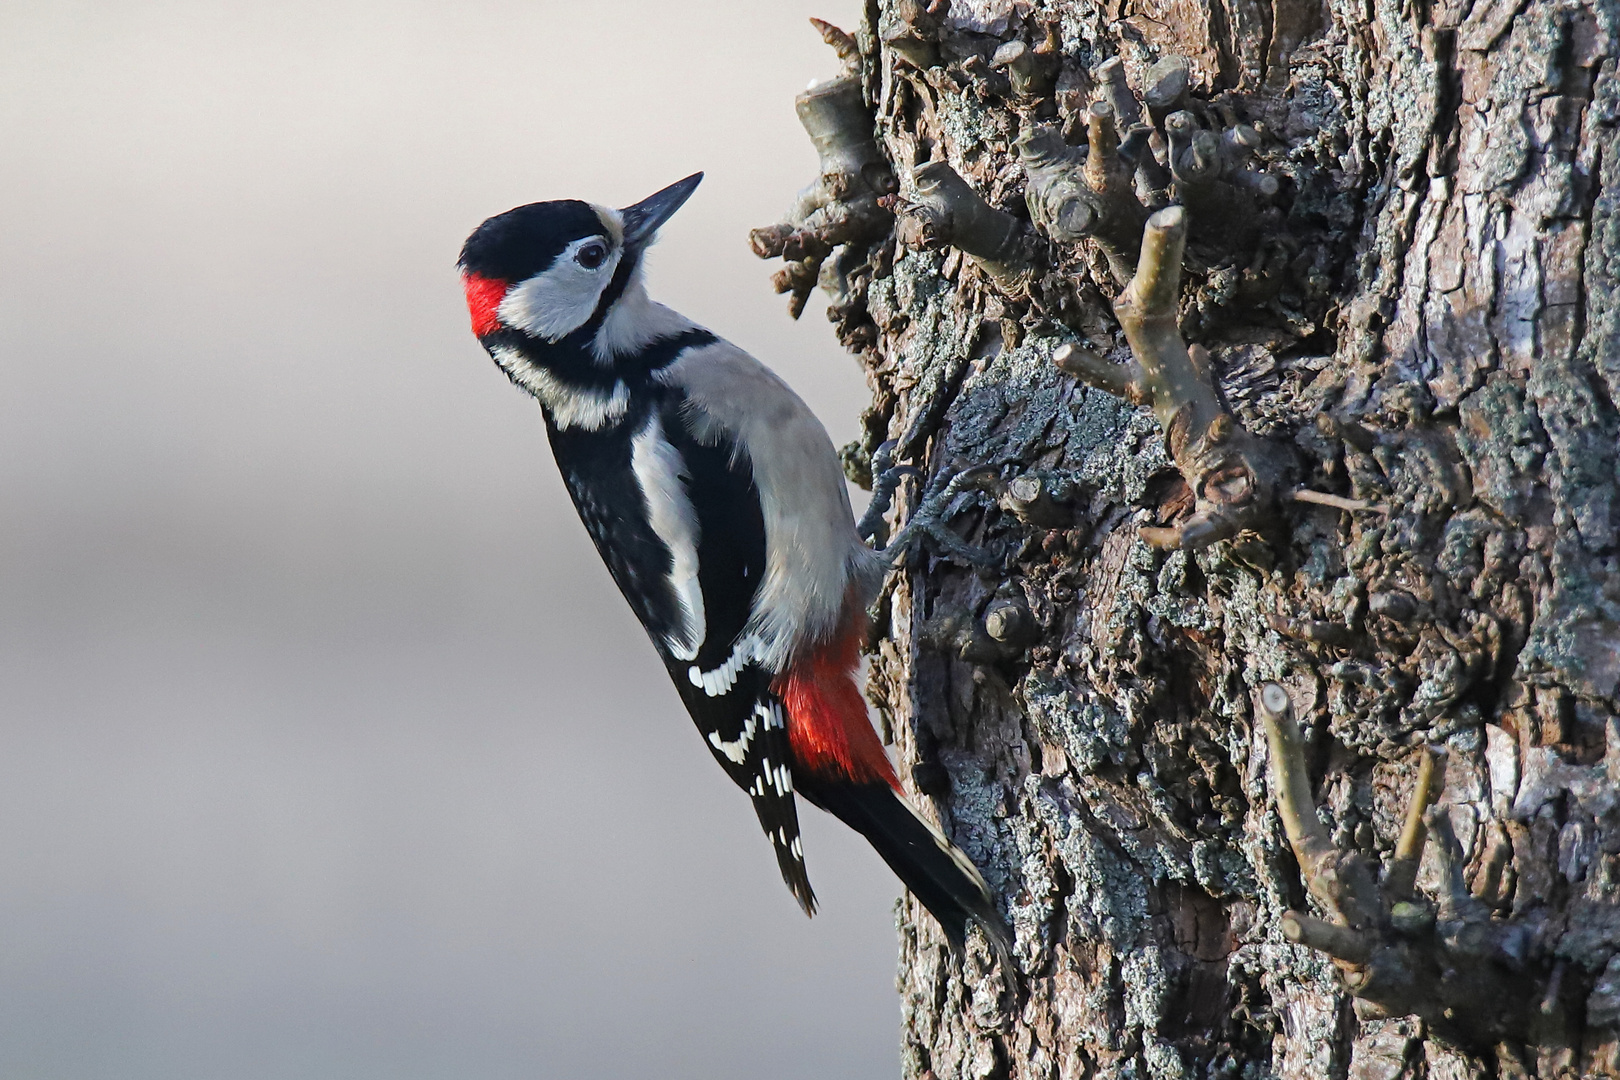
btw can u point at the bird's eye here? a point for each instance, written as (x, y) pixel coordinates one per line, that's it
(591, 255)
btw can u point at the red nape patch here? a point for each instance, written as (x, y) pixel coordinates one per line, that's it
(484, 296)
(828, 729)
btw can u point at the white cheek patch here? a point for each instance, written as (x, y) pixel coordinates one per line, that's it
(657, 467)
(560, 299)
(569, 406)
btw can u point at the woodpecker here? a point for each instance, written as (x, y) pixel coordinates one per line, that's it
(716, 499)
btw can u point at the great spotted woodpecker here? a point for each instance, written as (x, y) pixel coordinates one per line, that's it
(715, 498)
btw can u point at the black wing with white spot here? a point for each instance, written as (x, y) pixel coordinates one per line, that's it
(746, 731)
(596, 468)
(723, 686)
(679, 524)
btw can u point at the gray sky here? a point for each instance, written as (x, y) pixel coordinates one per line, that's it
(329, 749)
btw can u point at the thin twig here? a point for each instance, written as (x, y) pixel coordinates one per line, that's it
(1403, 868)
(1338, 502)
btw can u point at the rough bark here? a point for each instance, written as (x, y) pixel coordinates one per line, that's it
(1414, 324)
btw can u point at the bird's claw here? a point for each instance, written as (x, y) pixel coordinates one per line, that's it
(932, 517)
(886, 479)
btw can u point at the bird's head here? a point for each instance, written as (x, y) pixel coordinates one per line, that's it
(551, 269)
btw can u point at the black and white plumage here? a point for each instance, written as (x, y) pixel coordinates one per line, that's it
(717, 502)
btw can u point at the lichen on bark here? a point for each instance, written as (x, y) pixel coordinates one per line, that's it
(1428, 326)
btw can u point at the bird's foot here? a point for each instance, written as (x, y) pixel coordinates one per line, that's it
(931, 519)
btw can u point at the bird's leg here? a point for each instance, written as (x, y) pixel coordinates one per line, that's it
(931, 518)
(886, 478)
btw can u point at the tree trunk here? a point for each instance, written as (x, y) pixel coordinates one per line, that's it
(1402, 238)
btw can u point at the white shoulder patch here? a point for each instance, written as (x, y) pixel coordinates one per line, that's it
(657, 467)
(568, 405)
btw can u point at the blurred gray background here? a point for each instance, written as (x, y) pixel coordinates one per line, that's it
(328, 748)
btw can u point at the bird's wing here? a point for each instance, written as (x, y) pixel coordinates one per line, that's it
(690, 509)
(814, 560)
(722, 680)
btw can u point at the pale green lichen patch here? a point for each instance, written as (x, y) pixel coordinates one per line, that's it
(1089, 730)
(1109, 897)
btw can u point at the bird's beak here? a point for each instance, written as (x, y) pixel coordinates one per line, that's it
(641, 221)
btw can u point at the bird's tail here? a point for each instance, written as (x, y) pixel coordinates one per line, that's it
(840, 765)
(936, 871)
